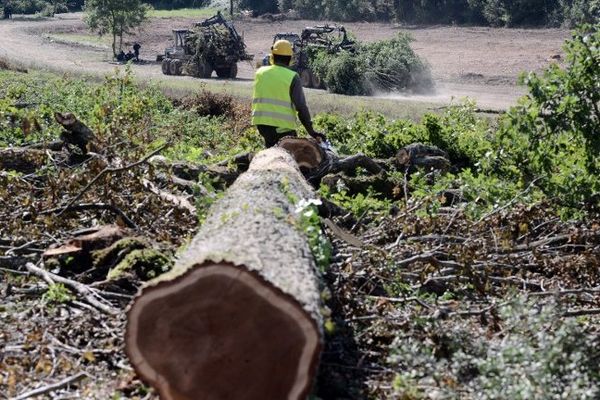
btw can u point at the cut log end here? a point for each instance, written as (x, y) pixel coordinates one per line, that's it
(222, 332)
(307, 153)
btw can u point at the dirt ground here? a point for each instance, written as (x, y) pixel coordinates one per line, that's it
(476, 62)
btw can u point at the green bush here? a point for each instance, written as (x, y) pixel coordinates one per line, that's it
(558, 125)
(392, 65)
(387, 65)
(343, 73)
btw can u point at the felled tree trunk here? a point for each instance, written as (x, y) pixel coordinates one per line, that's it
(238, 317)
(421, 155)
(26, 161)
(316, 162)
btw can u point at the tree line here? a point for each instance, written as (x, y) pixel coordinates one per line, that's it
(479, 12)
(507, 13)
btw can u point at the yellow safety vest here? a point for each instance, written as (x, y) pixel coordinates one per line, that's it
(271, 103)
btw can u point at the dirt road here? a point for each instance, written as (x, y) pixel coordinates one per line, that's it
(479, 63)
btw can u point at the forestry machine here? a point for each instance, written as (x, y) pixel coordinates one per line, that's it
(211, 45)
(332, 39)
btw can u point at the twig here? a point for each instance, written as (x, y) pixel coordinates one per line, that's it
(13, 251)
(89, 294)
(94, 206)
(178, 201)
(510, 203)
(108, 170)
(53, 387)
(581, 313)
(402, 300)
(565, 292)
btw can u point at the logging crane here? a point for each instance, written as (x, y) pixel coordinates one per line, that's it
(212, 45)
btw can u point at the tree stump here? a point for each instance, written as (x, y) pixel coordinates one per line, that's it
(307, 153)
(239, 315)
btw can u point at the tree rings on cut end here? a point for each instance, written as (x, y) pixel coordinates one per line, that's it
(222, 332)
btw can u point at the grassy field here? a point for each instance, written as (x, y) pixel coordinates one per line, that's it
(185, 13)
(319, 101)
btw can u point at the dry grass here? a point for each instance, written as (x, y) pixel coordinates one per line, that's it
(319, 101)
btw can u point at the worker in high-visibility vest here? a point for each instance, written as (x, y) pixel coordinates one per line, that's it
(279, 98)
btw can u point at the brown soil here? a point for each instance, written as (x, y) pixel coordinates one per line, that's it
(477, 62)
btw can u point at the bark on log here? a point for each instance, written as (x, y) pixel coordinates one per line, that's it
(350, 164)
(23, 160)
(239, 315)
(420, 155)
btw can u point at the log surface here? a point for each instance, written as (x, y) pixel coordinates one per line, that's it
(244, 298)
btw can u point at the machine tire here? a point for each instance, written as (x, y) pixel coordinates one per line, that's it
(305, 78)
(227, 72)
(175, 67)
(166, 66)
(233, 71)
(204, 70)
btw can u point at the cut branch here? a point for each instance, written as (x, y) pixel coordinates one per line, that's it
(89, 294)
(110, 170)
(51, 388)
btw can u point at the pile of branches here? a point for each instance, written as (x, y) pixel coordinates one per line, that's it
(383, 66)
(419, 300)
(432, 304)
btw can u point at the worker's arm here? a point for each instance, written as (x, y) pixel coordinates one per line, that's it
(299, 101)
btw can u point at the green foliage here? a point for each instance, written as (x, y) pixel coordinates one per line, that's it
(387, 65)
(343, 73)
(57, 294)
(115, 17)
(558, 123)
(308, 221)
(492, 12)
(360, 204)
(259, 6)
(393, 65)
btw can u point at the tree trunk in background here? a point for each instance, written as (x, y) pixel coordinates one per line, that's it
(239, 315)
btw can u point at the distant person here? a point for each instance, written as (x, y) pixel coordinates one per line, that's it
(279, 98)
(129, 56)
(136, 51)
(121, 56)
(8, 11)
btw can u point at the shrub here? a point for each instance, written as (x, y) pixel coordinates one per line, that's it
(558, 123)
(392, 65)
(387, 65)
(343, 73)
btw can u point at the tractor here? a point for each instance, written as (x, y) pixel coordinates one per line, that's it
(211, 45)
(314, 37)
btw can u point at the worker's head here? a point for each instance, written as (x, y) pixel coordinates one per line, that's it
(281, 52)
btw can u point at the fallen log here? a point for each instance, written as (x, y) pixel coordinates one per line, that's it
(26, 161)
(315, 161)
(421, 155)
(239, 315)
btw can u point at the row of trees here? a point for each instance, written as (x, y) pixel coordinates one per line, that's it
(105, 17)
(487, 12)
(46, 7)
